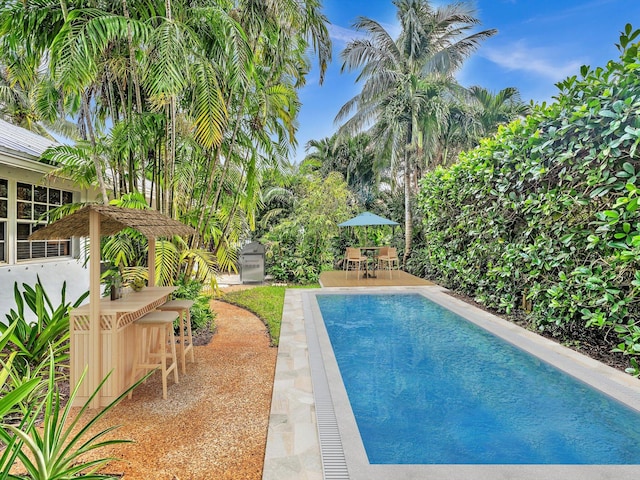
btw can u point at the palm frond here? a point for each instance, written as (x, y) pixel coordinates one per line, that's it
(73, 162)
(167, 261)
(209, 109)
(119, 250)
(167, 63)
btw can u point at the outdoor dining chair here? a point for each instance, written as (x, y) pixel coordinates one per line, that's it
(354, 256)
(389, 256)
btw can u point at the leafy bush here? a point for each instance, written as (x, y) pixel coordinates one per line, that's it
(201, 314)
(548, 209)
(49, 333)
(286, 268)
(187, 288)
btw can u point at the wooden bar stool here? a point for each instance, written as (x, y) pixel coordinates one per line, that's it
(154, 336)
(182, 307)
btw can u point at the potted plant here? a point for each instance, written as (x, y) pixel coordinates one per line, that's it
(137, 284)
(113, 284)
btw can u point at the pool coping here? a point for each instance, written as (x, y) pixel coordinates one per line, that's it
(302, 442)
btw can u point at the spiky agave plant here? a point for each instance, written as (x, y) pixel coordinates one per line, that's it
(53, 450)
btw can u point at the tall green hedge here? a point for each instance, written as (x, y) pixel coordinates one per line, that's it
(548, 208)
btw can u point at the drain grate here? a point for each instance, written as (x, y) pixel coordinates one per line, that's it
(334, 464)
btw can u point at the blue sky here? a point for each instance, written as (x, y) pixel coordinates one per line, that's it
(539, 42)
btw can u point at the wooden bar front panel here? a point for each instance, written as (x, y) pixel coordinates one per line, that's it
(117, 340)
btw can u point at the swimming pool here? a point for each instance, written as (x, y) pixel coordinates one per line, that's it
(312, 428)
(428, 387)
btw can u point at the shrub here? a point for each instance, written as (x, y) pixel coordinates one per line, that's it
(308, 242)
(548, 208)
(201, 314)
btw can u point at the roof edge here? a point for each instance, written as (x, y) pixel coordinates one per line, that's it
(24, 161)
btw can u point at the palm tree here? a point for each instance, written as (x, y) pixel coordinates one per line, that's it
(319, 155)
(353, 157)
(405, 81)
(28, 97)
(496, 109)
(189, 103)
(474, 114)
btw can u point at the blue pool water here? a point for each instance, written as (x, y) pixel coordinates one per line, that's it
(428, 387)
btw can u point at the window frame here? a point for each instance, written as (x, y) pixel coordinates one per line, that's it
(4, 220)
(32, 201)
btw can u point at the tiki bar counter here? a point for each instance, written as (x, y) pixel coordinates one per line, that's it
(102, 338)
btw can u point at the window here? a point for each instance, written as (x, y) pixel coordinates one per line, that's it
(33, 203)
(4, 208)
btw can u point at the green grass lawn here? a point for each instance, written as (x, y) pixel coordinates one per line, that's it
(266, 302)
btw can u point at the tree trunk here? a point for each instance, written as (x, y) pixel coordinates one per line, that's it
(410, 150)
(171, 136)
(136, 86)
(408, 218)
(172, 157)
(94, 156)
(212, 163)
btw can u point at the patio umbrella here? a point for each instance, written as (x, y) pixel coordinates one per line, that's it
(367, 218)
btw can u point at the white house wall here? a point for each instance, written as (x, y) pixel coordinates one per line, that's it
(53, 272)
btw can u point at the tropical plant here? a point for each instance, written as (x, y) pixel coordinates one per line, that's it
(353, 157)
(308, 242)
(188, 104)
(406, 82)
(187, 288)
(46, 332)
(28, 97)
(492, 110)
(127, 253)
(201, 314)
(202, 318)
(11, 397)
(10, 402)
(474, 114)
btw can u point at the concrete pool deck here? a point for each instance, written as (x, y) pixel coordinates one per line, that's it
(312, 432)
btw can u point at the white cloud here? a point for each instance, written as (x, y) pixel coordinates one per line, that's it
(343, 35)
(538, 60)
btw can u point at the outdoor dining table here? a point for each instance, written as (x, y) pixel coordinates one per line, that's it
(117, 340)
(374, 254)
